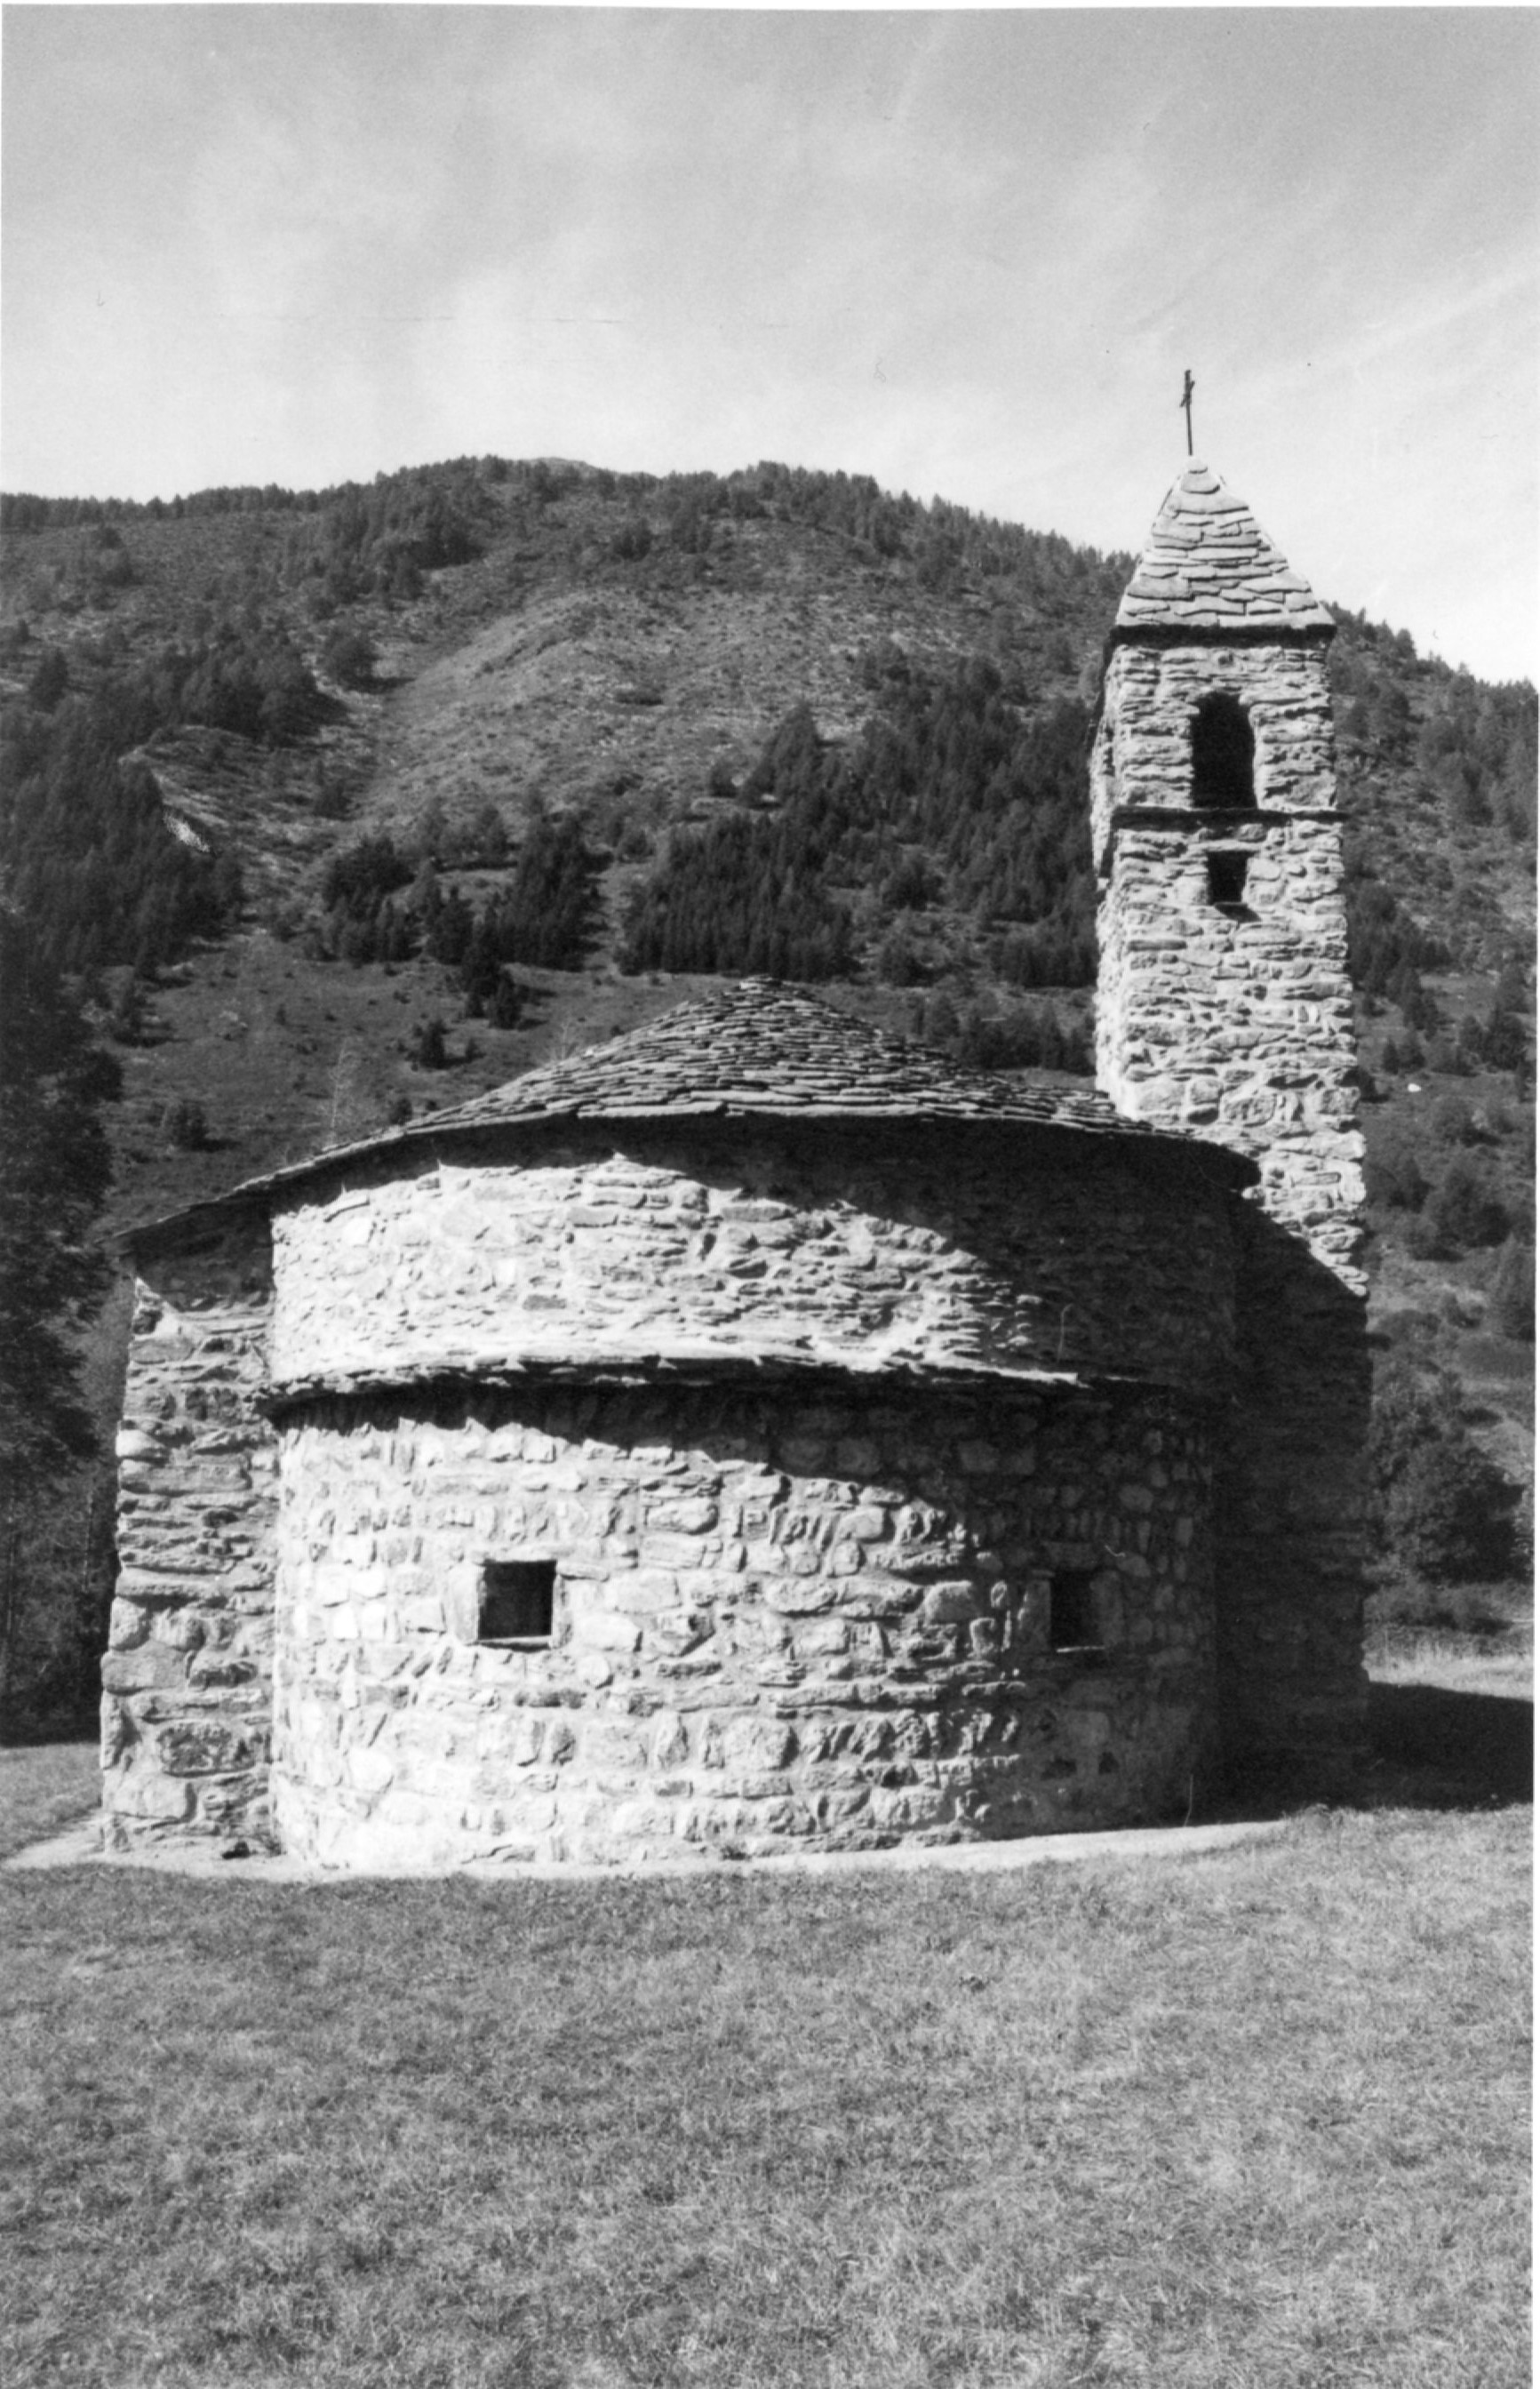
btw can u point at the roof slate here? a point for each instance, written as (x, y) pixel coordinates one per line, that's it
(757, 1050)
(761, 1048)
(1209, 566)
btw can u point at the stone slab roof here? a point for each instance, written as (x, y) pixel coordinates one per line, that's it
(1209, 566)
(760, 1048)
(757, 1050)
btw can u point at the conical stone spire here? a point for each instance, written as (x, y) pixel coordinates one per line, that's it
(1209, 566)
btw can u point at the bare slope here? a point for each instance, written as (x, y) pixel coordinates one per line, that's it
(556, 641)
(556, 668)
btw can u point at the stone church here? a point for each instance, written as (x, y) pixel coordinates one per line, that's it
(758, 1435)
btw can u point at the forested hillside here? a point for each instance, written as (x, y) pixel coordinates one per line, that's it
(324, 807)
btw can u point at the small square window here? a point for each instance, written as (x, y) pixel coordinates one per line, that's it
(1227, 880)
(1072, 1620)
(517, 1598)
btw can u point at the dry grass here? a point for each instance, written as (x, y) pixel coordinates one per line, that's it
(1452, 1662)
(1248, 2119)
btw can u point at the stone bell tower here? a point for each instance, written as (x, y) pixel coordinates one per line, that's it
(1224, 1008)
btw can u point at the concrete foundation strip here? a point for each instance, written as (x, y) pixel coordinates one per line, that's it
(81, 1846)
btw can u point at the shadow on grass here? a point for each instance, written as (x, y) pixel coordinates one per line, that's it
(1440, 1749)
(20, 1731)
(1427, 1748)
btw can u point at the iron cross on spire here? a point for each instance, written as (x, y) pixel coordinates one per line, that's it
(1185, 401)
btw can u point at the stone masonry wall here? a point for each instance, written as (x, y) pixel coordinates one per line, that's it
(1235, 1022)
(1143, 752)
(187, 1677)
(1239, 1026)
(1289, 1509)
(784, 1618)
(883, 1250)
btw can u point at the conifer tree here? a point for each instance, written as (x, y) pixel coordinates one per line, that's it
(55, 1168)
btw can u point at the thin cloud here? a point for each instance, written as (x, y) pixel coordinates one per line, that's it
(965, 252)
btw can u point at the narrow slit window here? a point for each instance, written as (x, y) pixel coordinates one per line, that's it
(1071, 1619)
(518, 1599)
(1224, 754)
(1227, 880)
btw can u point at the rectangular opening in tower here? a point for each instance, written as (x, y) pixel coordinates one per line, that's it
(1227, 879)
(1072, 1620)
(517, 1600)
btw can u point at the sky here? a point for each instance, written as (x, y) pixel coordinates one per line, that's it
(968, 252)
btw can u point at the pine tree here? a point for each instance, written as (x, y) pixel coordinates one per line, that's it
(429, 1050)
(55, 1168)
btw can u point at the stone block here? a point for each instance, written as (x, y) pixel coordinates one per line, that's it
(605, 1630)
(370, 1769)
(645, 1591)
(129, 1625)
(873, 1596)
(806, 1596)
(909, 1809)
(208, 1747)
(670, 1741)
(613, 1748)
(223, 1670)
(690, 1517)
(152, 1667)
(142, 1794)
(187, 1628)
(955, 1601)
(673, 1551)
(679, 1631)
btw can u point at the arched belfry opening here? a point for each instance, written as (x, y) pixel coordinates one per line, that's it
(1224, 753)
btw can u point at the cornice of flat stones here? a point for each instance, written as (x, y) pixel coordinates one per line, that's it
(1223, 821)
(739, 1371)
(1236, 632)
(1227, 819)
(716, 1133)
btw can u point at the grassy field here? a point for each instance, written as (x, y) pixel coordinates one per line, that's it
(1253, 2118)
(1454, 1663)
(44, 1787)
